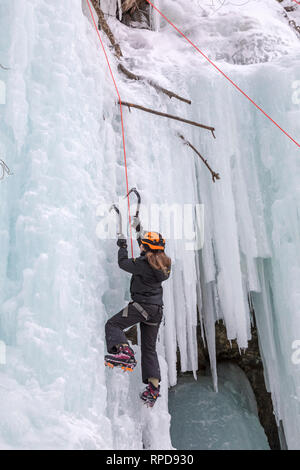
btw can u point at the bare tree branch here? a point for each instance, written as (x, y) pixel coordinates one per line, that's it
(170, 116)
(106, 29)
(215, 176)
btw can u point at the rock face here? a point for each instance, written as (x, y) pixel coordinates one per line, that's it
(136, 14)
(251, 363)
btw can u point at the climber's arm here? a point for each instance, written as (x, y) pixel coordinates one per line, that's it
(130, 265)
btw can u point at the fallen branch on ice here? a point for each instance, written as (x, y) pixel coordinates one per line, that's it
(106, 29)
(215, 176)
(169, 116)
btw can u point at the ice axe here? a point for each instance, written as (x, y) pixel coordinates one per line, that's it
(5, 169)
(119, 217)
(139, 200)
(115, 208)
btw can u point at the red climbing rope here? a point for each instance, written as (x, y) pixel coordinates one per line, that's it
(122, 122)
(219, 70)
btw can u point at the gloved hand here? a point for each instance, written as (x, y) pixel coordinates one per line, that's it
(122, 242)
(136, 224)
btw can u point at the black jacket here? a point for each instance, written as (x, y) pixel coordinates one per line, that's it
(145, 286)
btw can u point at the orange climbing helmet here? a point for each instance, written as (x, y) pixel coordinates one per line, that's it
(154, 241)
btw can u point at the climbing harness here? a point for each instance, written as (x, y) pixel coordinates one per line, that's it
(144, 313)
(141, 310)
(5, 169)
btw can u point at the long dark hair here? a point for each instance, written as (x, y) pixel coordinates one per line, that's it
(159, 260)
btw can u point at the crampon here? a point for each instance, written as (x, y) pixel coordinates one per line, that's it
(150, 395)
(123, 359)
(124, 367)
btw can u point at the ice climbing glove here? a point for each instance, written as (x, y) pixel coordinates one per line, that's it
(136, 223)
(122, 242)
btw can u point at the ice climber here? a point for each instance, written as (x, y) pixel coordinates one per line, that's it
(148, 271)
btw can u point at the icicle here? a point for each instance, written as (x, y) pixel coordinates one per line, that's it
(155, 17)
(120, 9)
(109, 7)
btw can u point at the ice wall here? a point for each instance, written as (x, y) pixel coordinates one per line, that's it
(59, 282)
(52, 388)
(251, 215)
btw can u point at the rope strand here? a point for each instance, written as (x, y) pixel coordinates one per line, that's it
(122, 122)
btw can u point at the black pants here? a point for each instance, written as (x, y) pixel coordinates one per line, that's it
(149, 330)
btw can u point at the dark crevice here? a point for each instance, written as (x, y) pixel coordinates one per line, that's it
(251, 363)
(138, 16)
